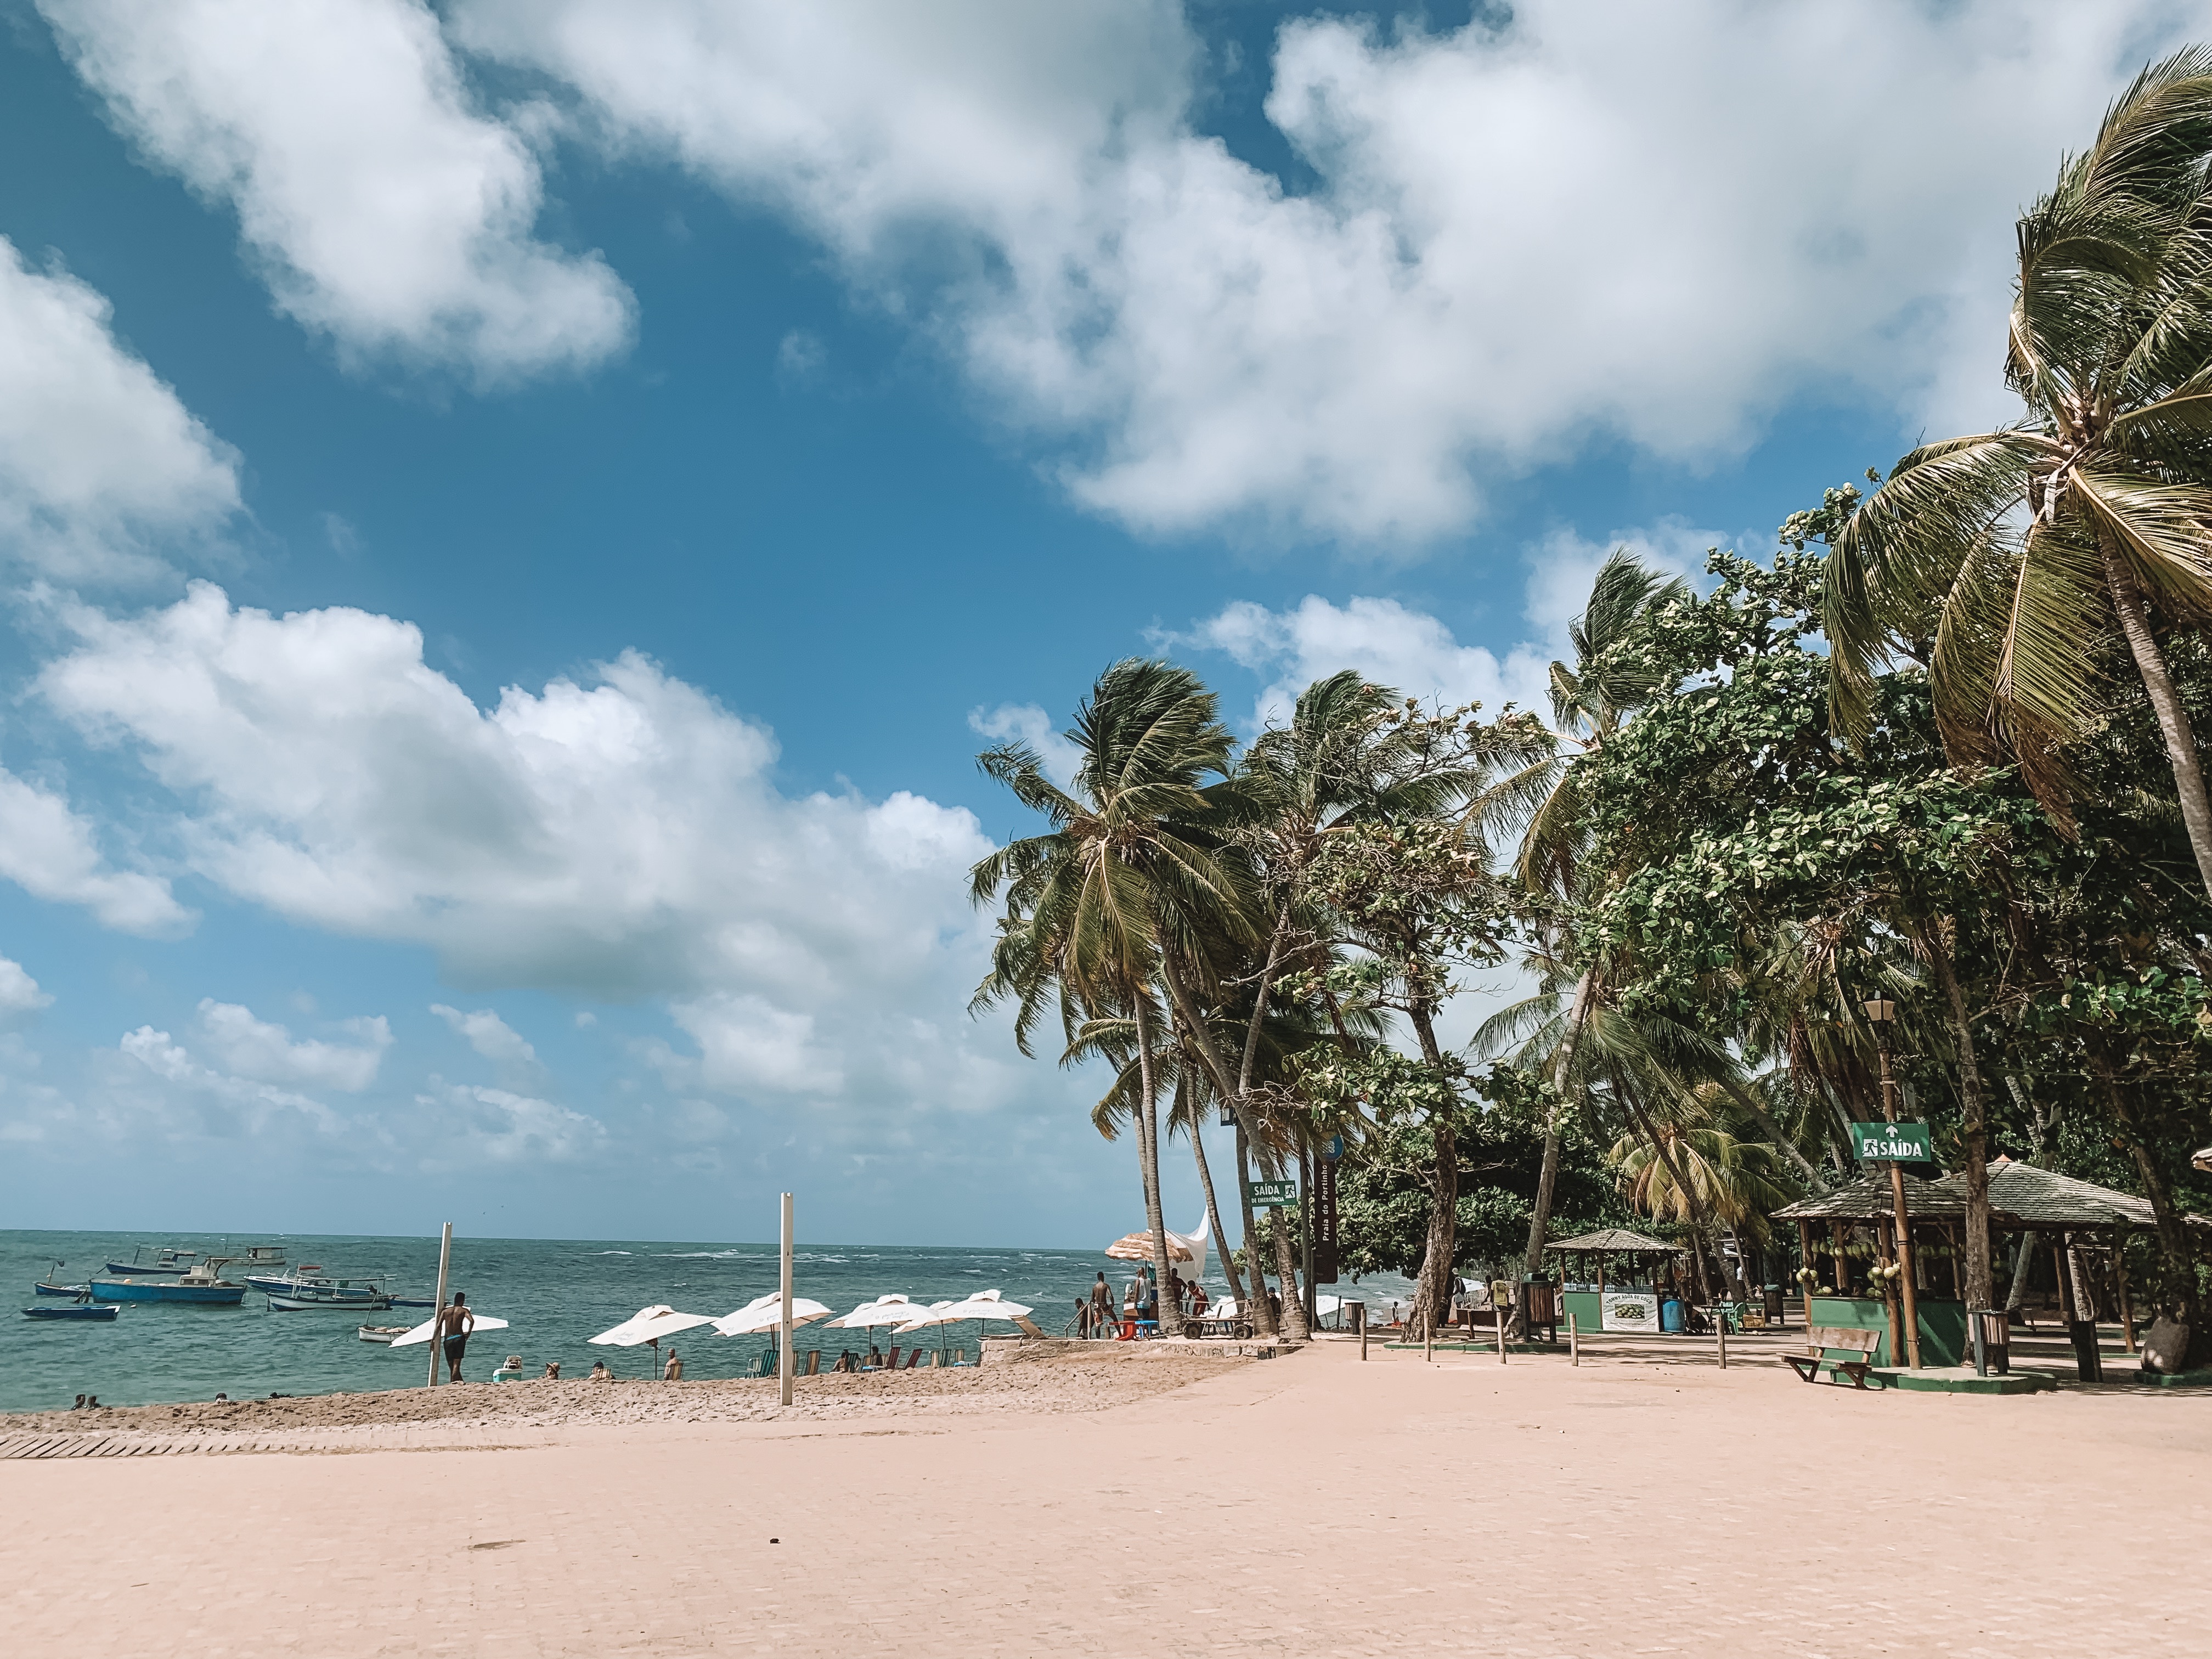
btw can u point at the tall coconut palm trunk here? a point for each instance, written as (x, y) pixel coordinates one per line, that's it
(1973, 1132)
(1258, 1308)
(1548, 1177)
(1433, 1295)
(2173, 724)
(1213, 1210)
(1148, 1137)
(2177, 1293)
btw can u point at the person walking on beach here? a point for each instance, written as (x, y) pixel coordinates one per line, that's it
(1101, 1302)
(455, 1321)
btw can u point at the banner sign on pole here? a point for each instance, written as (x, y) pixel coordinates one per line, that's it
(1324, 1256)
(1907, 1143)
(1273, 1194)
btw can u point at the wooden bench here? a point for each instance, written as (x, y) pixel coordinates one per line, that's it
(1809, 1365)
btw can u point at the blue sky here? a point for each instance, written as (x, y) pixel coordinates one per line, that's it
(749, 412)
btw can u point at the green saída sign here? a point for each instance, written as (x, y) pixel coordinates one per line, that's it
(1273, 1194)
(1907, 1143)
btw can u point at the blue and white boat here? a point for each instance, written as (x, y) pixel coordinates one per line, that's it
(309, 1295)
(47, 1287)
(202, 1285)
(85, 1310)
(167, 1263)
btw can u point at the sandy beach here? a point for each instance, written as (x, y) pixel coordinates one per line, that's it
(1140, 1504)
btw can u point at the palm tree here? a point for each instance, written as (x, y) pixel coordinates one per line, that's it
(2007, 561)
(1123, 874)
(1590, 702)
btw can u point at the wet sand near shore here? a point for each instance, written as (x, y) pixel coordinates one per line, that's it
(1081, 1380)
(1311, 1504)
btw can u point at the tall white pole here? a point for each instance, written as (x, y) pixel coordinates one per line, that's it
(783, 1366)
(445, 1260)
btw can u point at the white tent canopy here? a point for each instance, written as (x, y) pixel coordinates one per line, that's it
(648, 1325)
(766, 1314)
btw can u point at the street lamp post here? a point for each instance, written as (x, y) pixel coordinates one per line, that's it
(1881, 1014)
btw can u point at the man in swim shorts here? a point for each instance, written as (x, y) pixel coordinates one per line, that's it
(455, 1321)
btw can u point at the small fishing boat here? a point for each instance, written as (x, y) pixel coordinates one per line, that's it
(383, 1333)
(414, 1302)
(203, 1286)
(167, 1263)
(85, 1310)
(47, 1287)
(308, 1297)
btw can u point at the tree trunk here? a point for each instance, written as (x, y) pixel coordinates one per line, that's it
(1256, 1308)
(2172, 718)
(1974, 1130)
(2039, 1131)
(1539, 1218)
(1773, 1131)
(1690, 1195)
(2023, 1259)
(1433, 1295)
(1149, 1135)
(1213, 1210)
(2177, 1292)
(1286, 1271)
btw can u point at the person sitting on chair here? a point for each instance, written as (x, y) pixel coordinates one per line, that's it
(553, 1368)
(599, 1372)
(673, 1371)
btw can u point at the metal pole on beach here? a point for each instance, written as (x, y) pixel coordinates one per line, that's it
(445, 1259)
(783, 1365)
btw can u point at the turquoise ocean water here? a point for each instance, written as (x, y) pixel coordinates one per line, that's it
(553, 1292)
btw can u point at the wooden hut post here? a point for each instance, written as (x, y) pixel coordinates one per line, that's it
(1805, 1249)
(1836, 1258)
(2065, 1280)
(1886, 1253)
(2120, 1284)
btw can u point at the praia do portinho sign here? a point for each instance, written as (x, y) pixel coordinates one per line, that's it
(1907, 1143)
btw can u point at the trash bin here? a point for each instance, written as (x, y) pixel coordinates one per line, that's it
(2087, 1361)
(1770, 1297)
(1670, 1315)
(1992, 1334)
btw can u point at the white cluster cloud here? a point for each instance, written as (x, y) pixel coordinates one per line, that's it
(489, 1035)
(99, 462)
(1654, 222)
(265, 1053)
(1417, 652)
(620, 839)
(1026, 722)
(184, 1098)
(20, 995)
(500, 1127)
(385, 210)
(53, 852)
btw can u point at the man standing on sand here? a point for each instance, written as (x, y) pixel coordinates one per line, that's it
(455, 1321)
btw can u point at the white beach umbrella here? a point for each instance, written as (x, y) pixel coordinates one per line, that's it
(766, 1314)
(984, 1305)
(649, 1325)
(889, 1310)
(421, 1333)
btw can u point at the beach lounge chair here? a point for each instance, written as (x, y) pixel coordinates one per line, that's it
(892, 1364)
(912, 1359)
(814, 1362)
